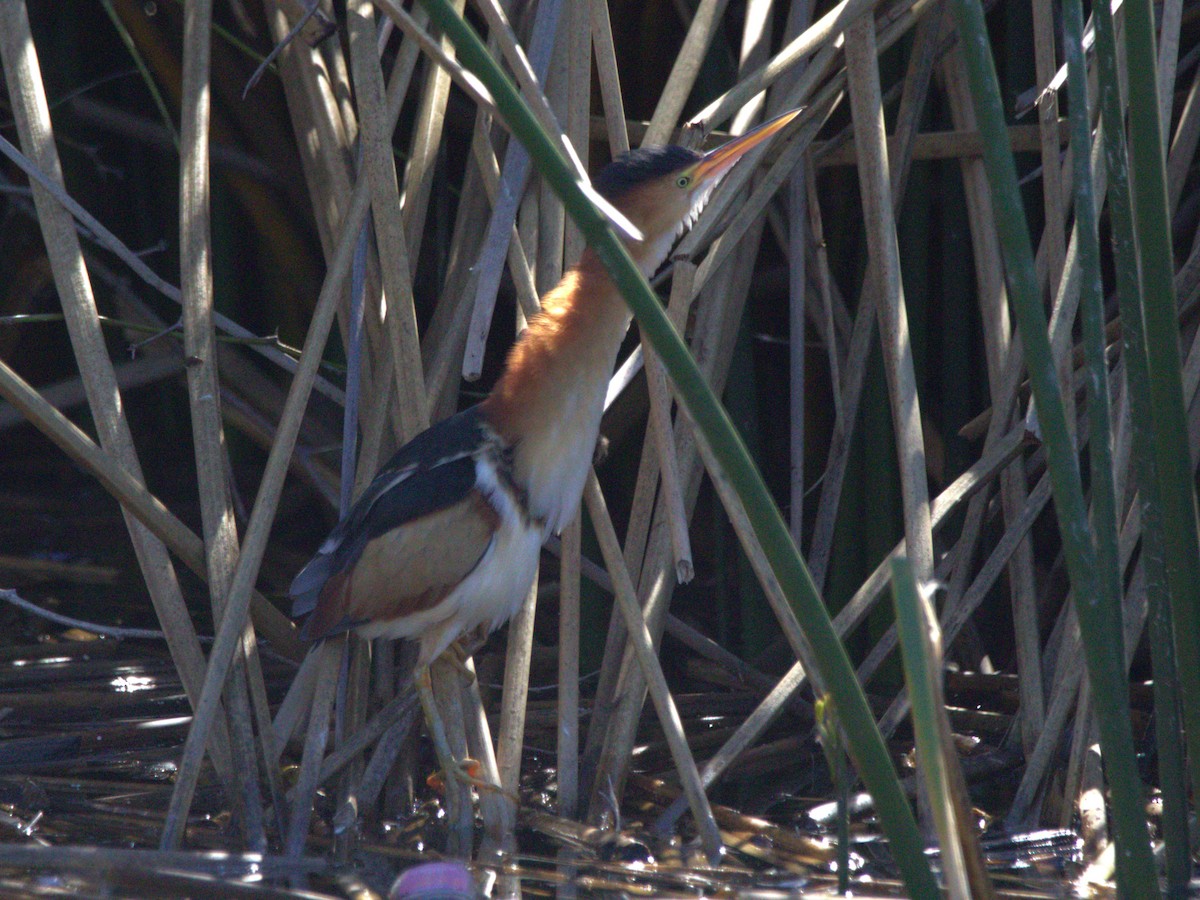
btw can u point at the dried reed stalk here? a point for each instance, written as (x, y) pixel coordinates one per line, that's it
(1183, 146)
(32, 116)
(567, 734)
(713, 343)
(867, 108)
(426, 139)
(212, 466)
(258, 530)
(643, 644)
(513, 179)
(498, 810)
(403, 353)
(1053, 235)
(683, 72)
(1001, 345)
(143, 505)
(329, 661)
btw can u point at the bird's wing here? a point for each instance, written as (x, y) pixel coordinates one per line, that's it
(438, 446)
(406, 569)
(433, 472)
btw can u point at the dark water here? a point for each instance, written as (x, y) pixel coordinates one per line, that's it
(90, 732)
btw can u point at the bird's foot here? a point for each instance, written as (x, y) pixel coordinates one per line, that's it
(469, 773)
(460, 772)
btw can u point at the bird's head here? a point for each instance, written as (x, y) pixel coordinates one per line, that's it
(661, 190)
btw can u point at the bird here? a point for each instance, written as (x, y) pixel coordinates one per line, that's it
(446, 538)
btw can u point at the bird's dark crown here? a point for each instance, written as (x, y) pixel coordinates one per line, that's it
(639, 166)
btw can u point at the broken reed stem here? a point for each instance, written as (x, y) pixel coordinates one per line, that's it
(740, 522)
(637, 531)
(850, 390)
(712, 340)
(664, 442)
(613, 731)
(683, 72)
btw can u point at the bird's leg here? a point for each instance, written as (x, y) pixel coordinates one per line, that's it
(456, 657)
(462, 649)
(451, 766)
(457, 792)
(433, 719)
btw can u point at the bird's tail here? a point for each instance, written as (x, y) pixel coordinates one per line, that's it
(306, 587)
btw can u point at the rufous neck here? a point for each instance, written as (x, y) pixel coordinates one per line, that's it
(574, 338)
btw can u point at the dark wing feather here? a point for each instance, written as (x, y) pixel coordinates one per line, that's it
(433, 471)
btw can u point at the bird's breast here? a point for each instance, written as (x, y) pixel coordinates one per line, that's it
(552, 461)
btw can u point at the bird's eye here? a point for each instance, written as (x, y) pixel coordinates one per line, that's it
(683, 181)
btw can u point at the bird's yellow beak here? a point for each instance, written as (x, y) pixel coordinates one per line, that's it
(716, 163)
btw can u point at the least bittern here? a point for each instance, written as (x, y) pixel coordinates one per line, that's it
(447, 537)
